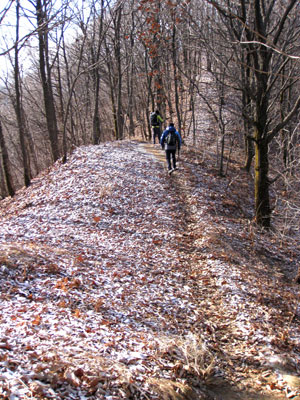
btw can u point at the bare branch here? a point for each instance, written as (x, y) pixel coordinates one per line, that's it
(5, 11)
(272, 48)
(279, 126)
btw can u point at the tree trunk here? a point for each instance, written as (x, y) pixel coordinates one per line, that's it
(45, 72)
(61, 110)
(18, 106)
(247, 111)
(262, 199)
(175, 72)
(249, 149)
(261, 60)
(96, 124)
(96, 117)
(119, 103)
(5, 164)
(112, 91)
(95, 53)
(156, 61)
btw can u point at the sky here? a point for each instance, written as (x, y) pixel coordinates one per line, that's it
(8, 31)
(27, 28)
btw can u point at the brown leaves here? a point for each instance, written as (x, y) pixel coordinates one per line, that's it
(77, 313)
(96, 219)
(62, 284)
(66, 283)
(95, 275)
(80, 258)
(5, 346)
(37, 320)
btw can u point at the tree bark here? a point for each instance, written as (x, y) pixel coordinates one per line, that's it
(18, 105)
(262, 198)
(96, 74)
(45, 71)
(175, 72)
(261, 63)
(119, 103)
(5, 164)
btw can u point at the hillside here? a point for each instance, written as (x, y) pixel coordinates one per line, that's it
(119, 282)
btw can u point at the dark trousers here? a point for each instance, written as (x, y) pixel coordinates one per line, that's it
(156, 132)
(169, 154)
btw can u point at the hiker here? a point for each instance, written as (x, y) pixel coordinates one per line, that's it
(156, 120)
(169, 141)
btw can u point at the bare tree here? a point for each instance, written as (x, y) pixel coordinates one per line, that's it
(5, 164)
(46, 78)
(117, 18)
(95, 49)
(261, 31)
(18, 104)
(263, 135)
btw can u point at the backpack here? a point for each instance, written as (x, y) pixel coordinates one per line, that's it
(153, 119)
(171, 138)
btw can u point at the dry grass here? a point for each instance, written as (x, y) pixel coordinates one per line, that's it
(105, 191)
(172, 390)
(190, 356)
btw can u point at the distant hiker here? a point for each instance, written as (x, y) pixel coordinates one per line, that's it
(156, 120)
(169, 141)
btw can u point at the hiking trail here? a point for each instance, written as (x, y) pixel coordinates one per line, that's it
(120, 282)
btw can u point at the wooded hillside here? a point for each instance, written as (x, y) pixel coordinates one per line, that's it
(116, 280)
(87, 72)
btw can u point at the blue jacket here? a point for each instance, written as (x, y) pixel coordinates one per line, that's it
(165, 134)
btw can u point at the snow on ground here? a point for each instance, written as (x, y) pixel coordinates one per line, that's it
(119, 282)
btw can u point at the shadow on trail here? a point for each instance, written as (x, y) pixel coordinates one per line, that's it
(230, 249)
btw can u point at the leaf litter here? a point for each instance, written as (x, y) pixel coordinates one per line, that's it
(119, 282)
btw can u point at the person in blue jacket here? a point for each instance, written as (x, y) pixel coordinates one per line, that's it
(170, 141)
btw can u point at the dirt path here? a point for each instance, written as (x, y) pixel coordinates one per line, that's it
(120, 282)
(275, 376)
(154, 150)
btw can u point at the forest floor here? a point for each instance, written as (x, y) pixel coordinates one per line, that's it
(120, 282)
